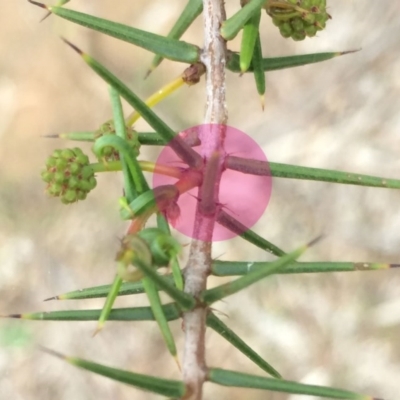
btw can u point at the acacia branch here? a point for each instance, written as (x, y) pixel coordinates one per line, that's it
(199, 263)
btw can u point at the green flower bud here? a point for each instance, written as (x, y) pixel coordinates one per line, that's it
(109, 153)
(46, 176)
(69, 196)
(286, 30)
(297, 24)
(61, 164)
(68, 175)
(298, 18)
(67, 154)
(81, 195)
(74, 168)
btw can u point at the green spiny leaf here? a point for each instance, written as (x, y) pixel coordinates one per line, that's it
(276, 63)
(238, 379)
(127, 288)
(212, 295)
(215, 323)
(278, 170)
(158, 311)
(164, 387)
(231, 268)
(166, 47)
(171, 311)
(231, 27)
(325, 175)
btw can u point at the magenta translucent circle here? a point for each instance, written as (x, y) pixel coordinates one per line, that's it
(243, 196)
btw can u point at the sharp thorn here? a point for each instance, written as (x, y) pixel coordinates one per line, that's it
(215, 310)
(77, 49)
(52, 298)
(97, 330)
(36, 3)
(342, 53)
(394, 265)
(46, 16)
(55, 136)
(11, 316)
(178, 363)
(262, 101)
(316, 240)
(52, 352)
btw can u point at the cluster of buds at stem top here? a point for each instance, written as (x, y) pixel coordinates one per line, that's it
(109, 153)
(68, 175)
(151, 246)
(298, 18)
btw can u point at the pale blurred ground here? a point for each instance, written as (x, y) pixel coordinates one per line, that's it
(338, 329)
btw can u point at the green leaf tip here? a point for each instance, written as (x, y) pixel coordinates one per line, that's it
(59, 3)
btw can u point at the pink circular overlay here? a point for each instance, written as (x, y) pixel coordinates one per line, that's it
(242, 196)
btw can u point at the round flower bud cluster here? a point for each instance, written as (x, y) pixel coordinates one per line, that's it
(109, 153)
(298, 18)
(68, 175)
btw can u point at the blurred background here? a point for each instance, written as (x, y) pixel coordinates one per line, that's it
(338, 329)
